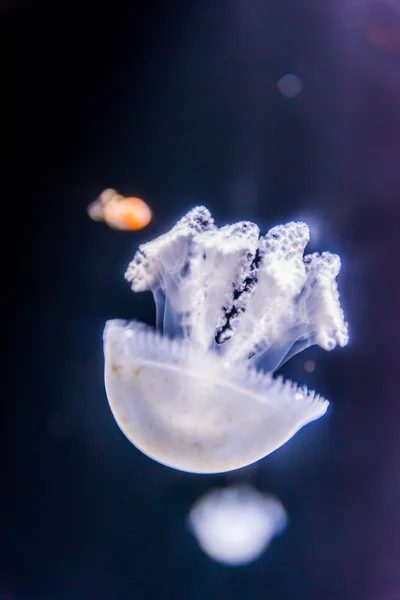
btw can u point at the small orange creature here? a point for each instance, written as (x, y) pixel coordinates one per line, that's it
(119, 212)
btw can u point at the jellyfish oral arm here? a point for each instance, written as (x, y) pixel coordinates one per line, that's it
(252, 293)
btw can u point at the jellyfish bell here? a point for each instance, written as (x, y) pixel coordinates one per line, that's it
(194, 412)
(198, 393)
(235, 525)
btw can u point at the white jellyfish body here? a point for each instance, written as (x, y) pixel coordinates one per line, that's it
(198, 393)
(235, 525)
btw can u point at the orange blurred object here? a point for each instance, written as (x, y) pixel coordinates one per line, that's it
(119, 212)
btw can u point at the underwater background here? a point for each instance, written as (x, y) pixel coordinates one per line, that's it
(180, 104)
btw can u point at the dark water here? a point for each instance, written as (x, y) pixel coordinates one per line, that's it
(178, 103)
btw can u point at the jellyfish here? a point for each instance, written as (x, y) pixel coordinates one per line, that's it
(235, 525)
(199, 393)
(119, 212)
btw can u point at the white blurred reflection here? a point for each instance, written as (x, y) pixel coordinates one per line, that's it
(235, 525)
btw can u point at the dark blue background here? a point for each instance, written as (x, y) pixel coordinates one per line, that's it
(177, 103)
